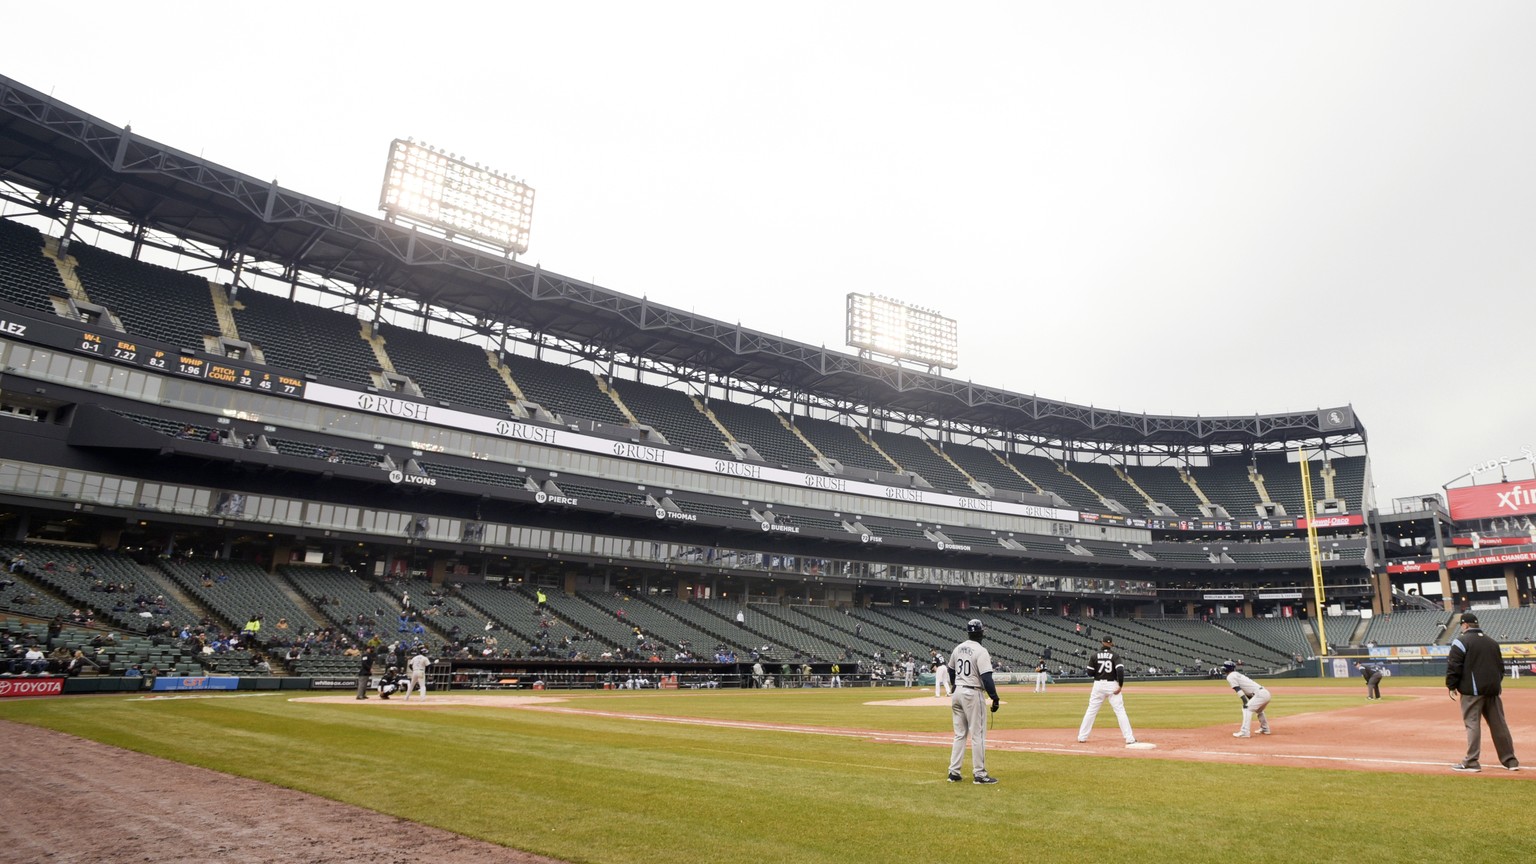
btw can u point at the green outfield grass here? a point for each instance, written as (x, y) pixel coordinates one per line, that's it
(609, 790)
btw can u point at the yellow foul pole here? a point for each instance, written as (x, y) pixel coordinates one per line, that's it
(1309, 508)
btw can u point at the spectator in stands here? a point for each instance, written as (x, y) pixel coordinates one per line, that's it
(188, 431)
(35, 662)
(76, 664)
(252, 629)
(55, 627)
(133, 672)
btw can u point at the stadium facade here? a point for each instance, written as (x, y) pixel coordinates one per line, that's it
(197, 363)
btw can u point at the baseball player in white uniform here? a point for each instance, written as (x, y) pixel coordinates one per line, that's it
(417, 666)
(1042, 676)
(941, 685)
(1254, 697)
(1108, 680)
(970, 667)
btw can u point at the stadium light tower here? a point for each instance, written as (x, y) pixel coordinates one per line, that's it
(880, 325)
(439, 191)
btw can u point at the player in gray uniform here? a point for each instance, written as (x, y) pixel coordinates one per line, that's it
(1108, 680)
(1254, 696)
(418, 671)
(970, 667)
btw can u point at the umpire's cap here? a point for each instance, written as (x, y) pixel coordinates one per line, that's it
(974, 628)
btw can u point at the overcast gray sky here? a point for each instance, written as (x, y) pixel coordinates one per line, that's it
(1175, 207)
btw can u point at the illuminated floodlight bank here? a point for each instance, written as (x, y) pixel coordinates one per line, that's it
(891, 328)
(439, 190)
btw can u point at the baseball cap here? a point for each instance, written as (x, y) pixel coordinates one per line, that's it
(1468, 618)
(1108, 641)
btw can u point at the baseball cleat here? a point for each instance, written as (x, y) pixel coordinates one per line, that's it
(1465, 768)
(1515, 767)
(984, 779)
(1082, 740)
(954, 778)
(1241, 735)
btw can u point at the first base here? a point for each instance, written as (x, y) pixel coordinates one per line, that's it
(1141, 745)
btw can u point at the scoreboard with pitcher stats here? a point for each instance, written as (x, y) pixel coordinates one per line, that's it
(121, 348)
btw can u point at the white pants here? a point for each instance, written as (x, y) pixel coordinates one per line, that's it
(1103, 690)
(418, 681)
(1254, 707)
(941, 682)
(1041, 679)
(968, 708)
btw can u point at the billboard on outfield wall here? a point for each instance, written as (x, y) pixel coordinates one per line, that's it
(1492, 501)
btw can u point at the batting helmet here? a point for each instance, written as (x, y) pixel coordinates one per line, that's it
(974, 629)
(1229, 666)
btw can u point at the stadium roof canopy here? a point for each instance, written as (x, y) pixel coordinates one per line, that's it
(69, 158)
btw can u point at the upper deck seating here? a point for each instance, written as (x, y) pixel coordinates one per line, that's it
(446, 369)
(153, 301)
(843, 444)
(1165, 486)
(980, 463)
(565, 390)
(672, 413)
(1282, 480)
(1044, 471)
(761, 428)
(1106, 482)
(305, 338)
(27, 277)
(916, 455)
(1225, 481)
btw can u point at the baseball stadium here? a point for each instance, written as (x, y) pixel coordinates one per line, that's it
(675, 589)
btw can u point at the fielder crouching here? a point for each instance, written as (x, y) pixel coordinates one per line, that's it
(389, 682)
(1254, 697)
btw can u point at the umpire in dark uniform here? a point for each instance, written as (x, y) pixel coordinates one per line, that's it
(1372, 673)
(1474, 671)
(364, 673)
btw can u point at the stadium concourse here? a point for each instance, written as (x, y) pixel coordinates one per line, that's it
(248, 432)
